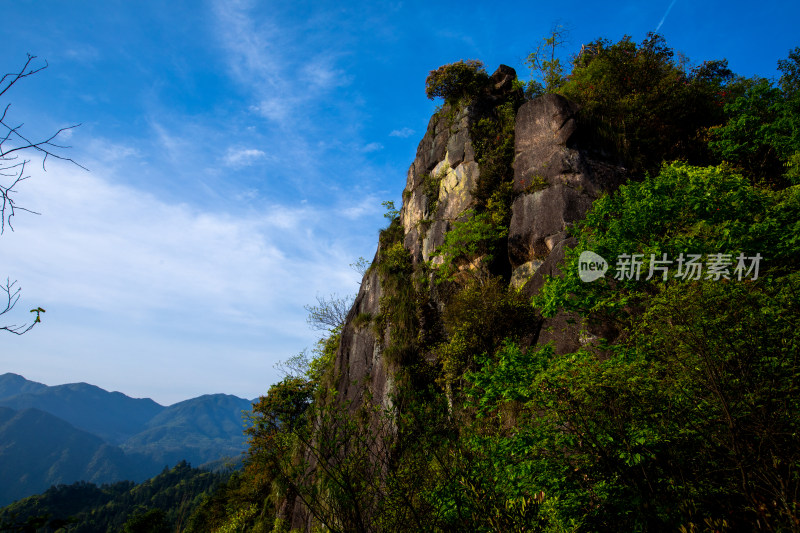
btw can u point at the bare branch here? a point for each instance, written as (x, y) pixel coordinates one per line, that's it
(8, 80)
(12, 297)
(330, 313)
(14, 143)
(44, 147)
(8, 206)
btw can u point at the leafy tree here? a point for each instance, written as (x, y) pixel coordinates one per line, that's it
(168, 498)
(469, 246)
(151, 521)
(685, 210)
(762, 137)
(684, 419)
(454, 81)
(547, 72)
(283, 407)
(643, 105)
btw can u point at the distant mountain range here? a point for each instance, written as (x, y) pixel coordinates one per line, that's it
(80, 432)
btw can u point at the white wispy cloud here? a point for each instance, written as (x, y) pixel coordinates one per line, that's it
(242, 157)
(322, 73)
(283, 74)
(83, 53)
(372, 147)
(110, 152)
(127, 274)
(402, 133)
(366, 206)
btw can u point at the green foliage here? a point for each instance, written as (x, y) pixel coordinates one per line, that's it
(362, 320)
(493, 141)
(762, 136)
(469, 245)
(692, 417)
(477, 319)
(658, 433)
(398, 302)
(152, 521)
(684, 209)
(790, 72)
(537, 183)
(457, 81)
(643, 105)
(249, 500)
(391, 213)
(686, 419)
(284, 406)
(312, 368)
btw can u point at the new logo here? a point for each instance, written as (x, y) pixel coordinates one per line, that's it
(591, 266)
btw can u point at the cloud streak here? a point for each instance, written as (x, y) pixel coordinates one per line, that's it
(661, 22)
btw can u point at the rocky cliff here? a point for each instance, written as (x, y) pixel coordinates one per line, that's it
(552, 182)
(555, 181)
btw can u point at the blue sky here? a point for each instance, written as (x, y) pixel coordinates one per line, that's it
(238, 155)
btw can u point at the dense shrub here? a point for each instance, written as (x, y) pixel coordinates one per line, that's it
(454, 81)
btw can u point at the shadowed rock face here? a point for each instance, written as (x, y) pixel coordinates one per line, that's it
(556, 181)
(359, 364)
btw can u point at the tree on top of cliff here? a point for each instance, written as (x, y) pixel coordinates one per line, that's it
(545, 65)
(645, 105)
(457, 80)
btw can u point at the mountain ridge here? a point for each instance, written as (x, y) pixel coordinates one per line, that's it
(81, 432)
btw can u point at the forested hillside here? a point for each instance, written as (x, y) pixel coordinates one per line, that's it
(481, 382)
(160, 504)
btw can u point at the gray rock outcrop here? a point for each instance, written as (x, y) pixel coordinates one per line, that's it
(555, 182)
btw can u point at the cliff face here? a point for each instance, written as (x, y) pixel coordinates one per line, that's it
(554, 183)
(445, 159)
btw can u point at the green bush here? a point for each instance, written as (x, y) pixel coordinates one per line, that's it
(477, 319)
(684, 209)
(456, 81)
(469, 246)
(688, 417)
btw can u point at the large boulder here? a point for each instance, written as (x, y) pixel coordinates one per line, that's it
(555, 179)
